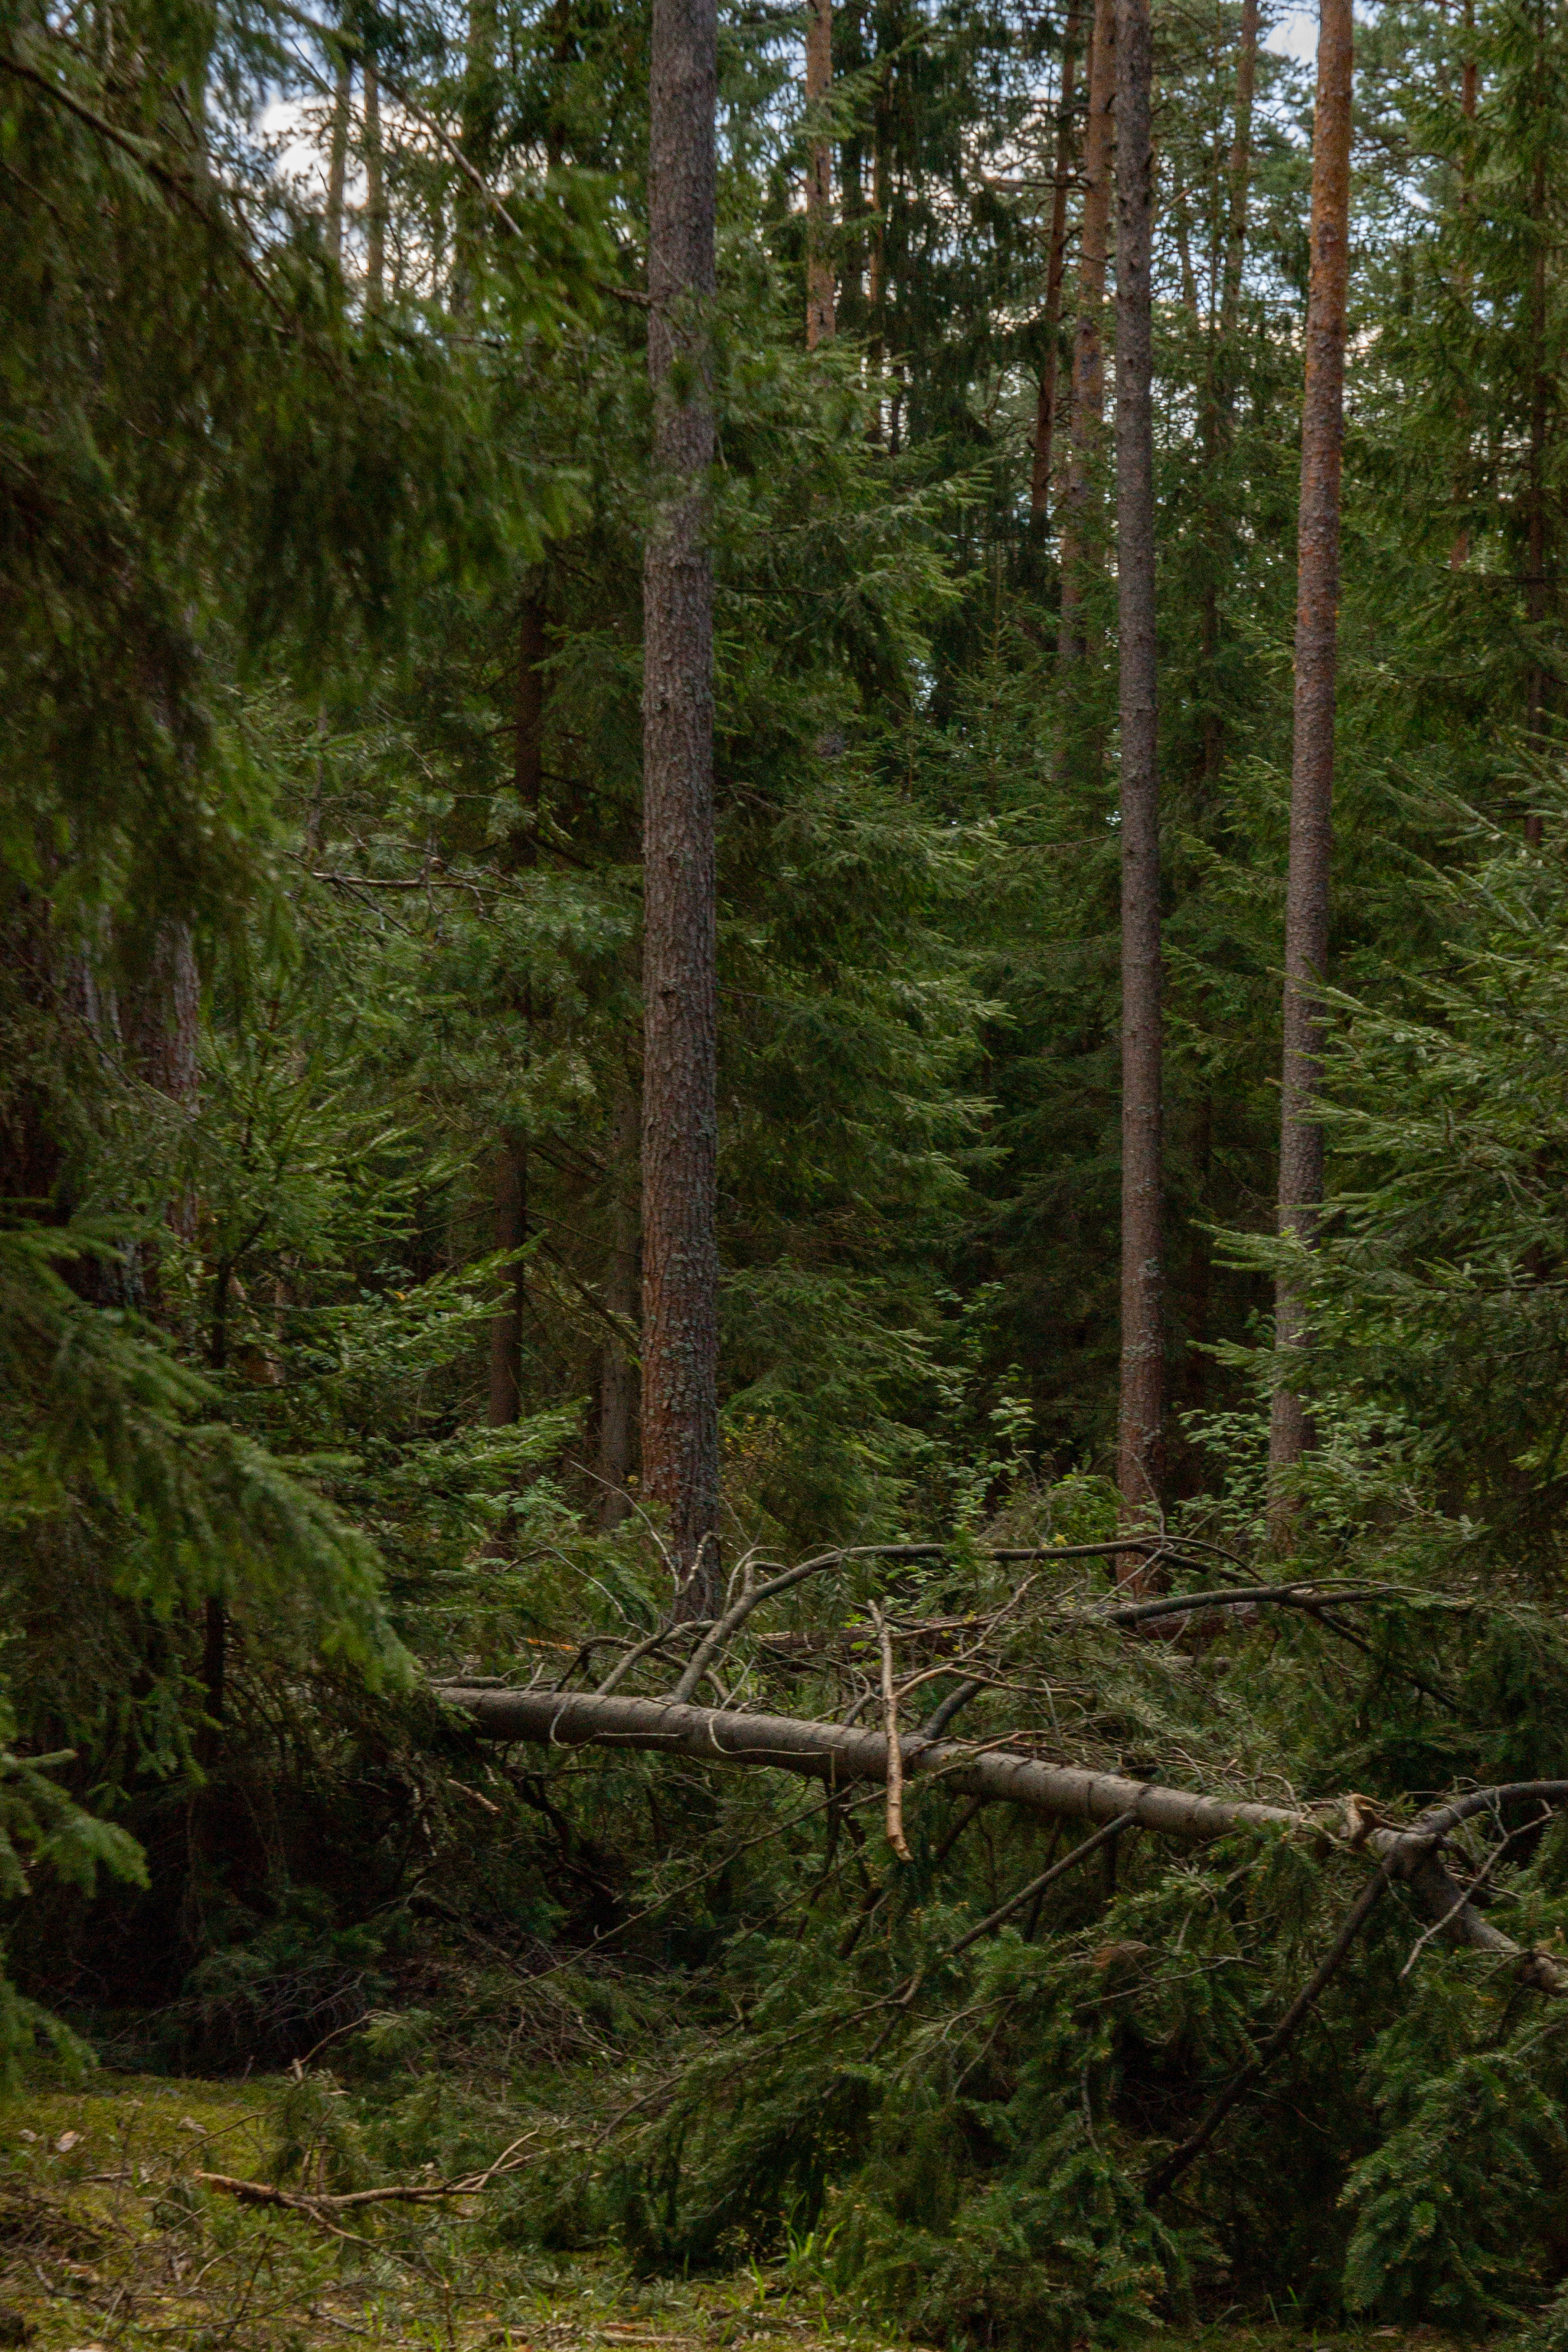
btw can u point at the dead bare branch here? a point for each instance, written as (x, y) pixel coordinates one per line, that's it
(895, 1769)
(320, 2207)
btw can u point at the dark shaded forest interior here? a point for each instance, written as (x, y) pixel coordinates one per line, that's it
(784, 1171)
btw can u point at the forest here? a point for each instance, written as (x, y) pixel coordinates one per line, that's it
(783, 1173)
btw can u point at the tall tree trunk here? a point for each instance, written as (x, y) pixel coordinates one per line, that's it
(160, 1014)
(877, 276)
(617, 1379)
(509, 1198)
(338, 161)
(1312, 759)
(680, 1153)
(1219, 391)
(1141, 1414)
(1182, 238)
(1088, 391)
(819, 275)
(510, 1193)
(375, 193)
(477, 140)
(556, 125)
(1459, 552)
(1536, 553)
(528, 756)
(852, 206)
(1239, 169)
(1200, 1276)
(1055, 269)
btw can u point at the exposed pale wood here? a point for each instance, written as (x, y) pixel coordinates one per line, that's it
(837, 1753)
(895, 1754)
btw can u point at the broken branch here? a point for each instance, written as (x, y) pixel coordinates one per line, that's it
(895, 1764)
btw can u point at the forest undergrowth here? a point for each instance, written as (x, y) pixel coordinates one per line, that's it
(663, 2029)
(109, 2242)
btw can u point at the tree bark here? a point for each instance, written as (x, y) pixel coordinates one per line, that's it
(819, 272)
(1239, 169)
(1142, 1408)
(1088, 389)
(511, 1232)
(1459, 552)
(1056, 270)
(852, 206)
(375, 193)
(835, 1753)
(528, 755)
(510, 1180)
(477, 141)
(617, 1379)
(681, 1254)
(1536, 554)
(338, 159)
(877, 271)
(160, 1014)
(1219, 389)
(832, 1752)
(1312, 759)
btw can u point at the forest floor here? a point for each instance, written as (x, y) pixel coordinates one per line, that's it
(108, 2243)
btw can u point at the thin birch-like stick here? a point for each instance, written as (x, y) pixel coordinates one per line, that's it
(891, 1725)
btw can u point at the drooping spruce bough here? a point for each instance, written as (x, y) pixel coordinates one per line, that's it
(1036, 2111)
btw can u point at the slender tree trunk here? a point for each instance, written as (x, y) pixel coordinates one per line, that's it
(1536, 553)
(1459, 552)
(375, 193)
(1219, 391)
(509, 1181)
(1201, 1275)
(680, 1153)
(1181, 236)
(528, 757)
(477, 142)
(1239, 169)
(1087, 410)
(509, 1198)
(215, 1671)
(160, 1014)
(819, 274)
(1312, 759)
(617, 1380)
(338, 161)
(877, 276)
(1055, 268)
(851, 308)
(159, 1019)
(1139, 1420)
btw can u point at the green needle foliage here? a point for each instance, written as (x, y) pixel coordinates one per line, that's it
(324, 488)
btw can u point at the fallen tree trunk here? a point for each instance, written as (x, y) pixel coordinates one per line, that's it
(838, 1754)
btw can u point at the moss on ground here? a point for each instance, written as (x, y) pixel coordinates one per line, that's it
(108, 2243)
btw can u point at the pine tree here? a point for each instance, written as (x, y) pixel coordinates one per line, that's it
(1312, 766)
(680, 1257)
(1139, 1465)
